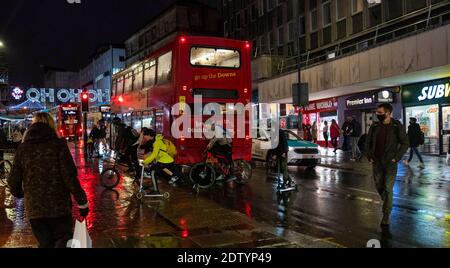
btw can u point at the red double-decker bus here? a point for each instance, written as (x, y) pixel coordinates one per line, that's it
(216, 69)
(69, 121)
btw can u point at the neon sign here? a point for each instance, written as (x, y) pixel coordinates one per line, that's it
(17, 93)
(66, 95)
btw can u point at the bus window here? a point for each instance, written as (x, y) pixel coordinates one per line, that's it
(215, 57)
(165, 68)
(114, 87)
(120, 86)
(150, 74)
(128, 82)
(137, 83)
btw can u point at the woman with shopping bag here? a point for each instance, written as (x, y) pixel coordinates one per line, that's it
(44, 174)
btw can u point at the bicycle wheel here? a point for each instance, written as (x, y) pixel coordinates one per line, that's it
(5, 170)
(202, 175)
(110, 178)
(243, 171)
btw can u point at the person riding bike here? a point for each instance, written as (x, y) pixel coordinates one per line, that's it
(163, 162)
(221, 145)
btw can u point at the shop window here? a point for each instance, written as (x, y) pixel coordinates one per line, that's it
(428, 119)
(164, 68)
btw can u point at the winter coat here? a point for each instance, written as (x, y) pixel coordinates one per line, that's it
(335, 131)
(45, 175)
(355, 129)
(396, 142)
(283, 146)
(414, 135)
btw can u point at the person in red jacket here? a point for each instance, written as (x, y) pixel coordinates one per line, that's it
(335, 132)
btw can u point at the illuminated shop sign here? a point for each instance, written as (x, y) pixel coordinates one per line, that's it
(435, 92)
(431, 92)
(51, 95)
(321, 106)
(370, 99)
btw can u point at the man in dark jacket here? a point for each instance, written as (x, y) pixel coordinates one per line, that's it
(416, 138)
(45, 175)
(346, 133)
(385, 146)
(354, 134)
(281, 153)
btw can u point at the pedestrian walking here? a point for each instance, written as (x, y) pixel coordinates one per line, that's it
(346, 134)
(325, 132)
(355, 133)
(281, 154)
(335, 133)
(416, 138)
(314, 131)
(385, 146)
(44, 174)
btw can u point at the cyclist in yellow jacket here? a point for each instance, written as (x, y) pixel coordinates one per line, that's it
(163, 162)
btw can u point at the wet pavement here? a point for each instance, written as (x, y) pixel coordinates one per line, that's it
(336, 206)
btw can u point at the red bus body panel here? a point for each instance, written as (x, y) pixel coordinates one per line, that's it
(161, 98)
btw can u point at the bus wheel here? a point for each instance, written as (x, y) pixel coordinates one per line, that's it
(202, 175)
(110, 178)
(243, 171)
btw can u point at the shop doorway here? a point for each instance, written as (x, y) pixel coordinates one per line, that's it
(445, 123)
(368, 118)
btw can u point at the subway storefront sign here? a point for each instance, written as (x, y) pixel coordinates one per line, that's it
(433, 92)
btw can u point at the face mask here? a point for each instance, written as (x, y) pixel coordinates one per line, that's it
(381, 117)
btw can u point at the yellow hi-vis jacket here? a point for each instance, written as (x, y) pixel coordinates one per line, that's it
(159, 152)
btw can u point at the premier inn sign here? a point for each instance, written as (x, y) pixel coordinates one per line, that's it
(433, 92)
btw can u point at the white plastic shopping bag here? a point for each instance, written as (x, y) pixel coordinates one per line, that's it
(81, 238)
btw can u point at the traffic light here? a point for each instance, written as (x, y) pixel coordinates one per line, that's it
(85, 101)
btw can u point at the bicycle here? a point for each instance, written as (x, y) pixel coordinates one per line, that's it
(111, 176)
(204, 175)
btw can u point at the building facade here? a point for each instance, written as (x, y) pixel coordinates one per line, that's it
(97, 76)
(351, 50)
(184, 16)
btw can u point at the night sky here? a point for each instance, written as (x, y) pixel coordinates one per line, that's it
(55, 33)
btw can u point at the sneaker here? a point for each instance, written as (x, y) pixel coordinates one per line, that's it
(174, 180)
(353, 159)
(421, 165)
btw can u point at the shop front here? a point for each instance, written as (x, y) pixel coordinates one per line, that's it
(320, 111)
(364, 105)
(429, 103)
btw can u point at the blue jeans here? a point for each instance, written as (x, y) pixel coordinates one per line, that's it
(411, 154)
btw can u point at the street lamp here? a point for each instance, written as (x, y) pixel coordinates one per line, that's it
(1, 44)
